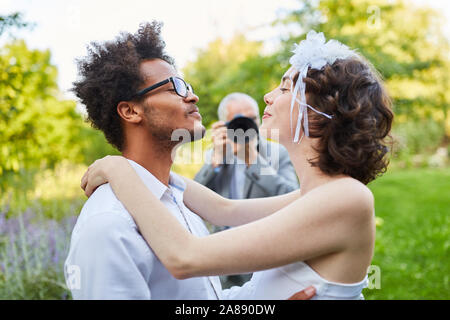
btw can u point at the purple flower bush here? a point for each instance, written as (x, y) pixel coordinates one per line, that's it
(32, 254)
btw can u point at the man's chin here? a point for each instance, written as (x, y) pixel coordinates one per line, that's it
(186, 135)
(198, 132)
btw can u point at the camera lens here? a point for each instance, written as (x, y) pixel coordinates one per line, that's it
(242, 129)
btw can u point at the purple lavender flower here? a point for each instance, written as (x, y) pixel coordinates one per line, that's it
(2, 222)
(31, 246)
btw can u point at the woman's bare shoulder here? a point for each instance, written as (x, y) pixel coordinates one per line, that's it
(346, 196)
(354, 189)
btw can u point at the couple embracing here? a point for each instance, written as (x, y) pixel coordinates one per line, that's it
(141, 234)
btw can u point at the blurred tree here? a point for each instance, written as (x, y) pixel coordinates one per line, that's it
(404, 42)
(224, 67)
(38, 126)
(12, 20)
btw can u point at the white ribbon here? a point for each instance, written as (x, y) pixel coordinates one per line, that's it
(300, 87)
(313, 52)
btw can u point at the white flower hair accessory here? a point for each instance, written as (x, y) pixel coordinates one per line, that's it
(315, 53)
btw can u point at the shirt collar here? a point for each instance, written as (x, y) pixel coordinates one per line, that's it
(177, 182)
(157, 187)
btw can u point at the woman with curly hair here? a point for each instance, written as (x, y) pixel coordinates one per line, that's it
(332, 114)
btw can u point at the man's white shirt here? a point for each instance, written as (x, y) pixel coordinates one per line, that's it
(109, 259)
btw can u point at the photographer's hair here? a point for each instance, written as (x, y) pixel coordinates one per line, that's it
(353, 142)
(222, 110)
(110, 74)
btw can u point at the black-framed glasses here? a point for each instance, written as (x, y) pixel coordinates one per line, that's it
(181, 87)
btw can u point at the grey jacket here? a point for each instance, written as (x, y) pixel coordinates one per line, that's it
(271, 175)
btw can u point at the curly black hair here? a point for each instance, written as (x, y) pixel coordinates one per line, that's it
(110, 74)
(355, 142)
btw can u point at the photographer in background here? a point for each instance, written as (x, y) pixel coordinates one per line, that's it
(262, 169)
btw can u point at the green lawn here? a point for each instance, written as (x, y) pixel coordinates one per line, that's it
(412, 247)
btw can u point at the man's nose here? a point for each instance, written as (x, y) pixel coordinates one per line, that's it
(191, 97)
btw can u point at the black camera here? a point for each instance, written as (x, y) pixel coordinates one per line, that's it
(244, 129)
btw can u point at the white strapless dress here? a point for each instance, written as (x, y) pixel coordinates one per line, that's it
(281, 283)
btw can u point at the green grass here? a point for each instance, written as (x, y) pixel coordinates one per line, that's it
(412, 246)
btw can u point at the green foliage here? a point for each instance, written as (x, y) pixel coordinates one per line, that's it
(12, 20)
(412, 247)
(52, 193)
(225, 67)
(37, 128)
(412, 57)
(43, 285)
(93, 144)
(416, 137)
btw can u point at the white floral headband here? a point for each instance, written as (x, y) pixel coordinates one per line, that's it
(312, 53)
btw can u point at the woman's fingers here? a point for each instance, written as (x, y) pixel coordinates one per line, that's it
(305, 294)
(95, 180)
(88, 192)
(89, 189)
(94, 177)
(84, 181)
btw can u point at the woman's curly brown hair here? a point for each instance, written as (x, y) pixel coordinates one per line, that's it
(110, 74)
(353, 141)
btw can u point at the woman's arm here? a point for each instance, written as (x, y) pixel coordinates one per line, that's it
(224, 212)
(309, 227)
(206, 203)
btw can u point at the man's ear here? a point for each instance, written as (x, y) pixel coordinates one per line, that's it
(130, 112)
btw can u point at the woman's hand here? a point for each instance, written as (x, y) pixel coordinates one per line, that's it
(98, 173)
